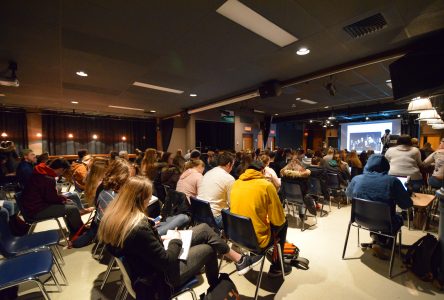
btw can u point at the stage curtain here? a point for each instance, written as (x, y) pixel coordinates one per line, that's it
(166, 130)
(13, 123)
(214, 135)
(139, 133)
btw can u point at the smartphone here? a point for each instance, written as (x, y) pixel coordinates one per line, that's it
(157, 219)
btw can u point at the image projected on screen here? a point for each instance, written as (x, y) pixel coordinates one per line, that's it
(365, 141)
(364, 136)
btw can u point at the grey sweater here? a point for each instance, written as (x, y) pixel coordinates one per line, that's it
(404, 161)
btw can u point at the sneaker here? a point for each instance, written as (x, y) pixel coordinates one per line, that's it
(246, 263)
(277, 272)
(318, 206)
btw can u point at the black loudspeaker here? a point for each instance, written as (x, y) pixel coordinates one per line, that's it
(270, 89)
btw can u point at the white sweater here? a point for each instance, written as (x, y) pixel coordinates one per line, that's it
(404, 161)
(215, 188)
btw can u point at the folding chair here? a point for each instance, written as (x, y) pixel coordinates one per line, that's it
(334, 185)
(314, 189)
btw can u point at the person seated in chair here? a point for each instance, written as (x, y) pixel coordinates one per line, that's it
(25, 167)
(337, 166)
(318, 172)
(376, 185)
(80, 171)
(255, 197)
(41, 200)
(130, 234)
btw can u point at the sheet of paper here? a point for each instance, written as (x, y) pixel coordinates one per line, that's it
(1, 203)
(185, 236)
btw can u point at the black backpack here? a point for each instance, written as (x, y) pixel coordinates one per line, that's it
(424, 257)
(225, 289)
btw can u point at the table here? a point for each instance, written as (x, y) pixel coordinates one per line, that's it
(421, 202)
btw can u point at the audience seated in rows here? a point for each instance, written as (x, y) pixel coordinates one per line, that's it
(149, 164)
(405, 160)
(170, 170)
(94, 179)
(25, 167)
(79, 172)
(216, 186)
(318, 172)
(269, 173)
(255, 197)
(41, 200)
(339, 167)
(153, 270)
(190, 180)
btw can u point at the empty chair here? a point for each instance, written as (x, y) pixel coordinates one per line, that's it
(202, 213)
(315, 189)
(240, 231)
(334, 186)
(294, 198)
(375, 217)
(27, 267)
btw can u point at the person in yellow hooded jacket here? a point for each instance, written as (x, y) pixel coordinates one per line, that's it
(253, 196)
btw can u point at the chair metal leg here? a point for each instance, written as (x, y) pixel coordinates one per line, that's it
(125, 293)
(62, 274)
(392, 257)
(42, 288)
(55, 281)
(98, 244)
(120, 291)
(346, 240)
(281, 259)
(32, 228)
(259, 280)
(62, 231)
(59, 254)
(108, 271)
(359, 242)
(400, 244)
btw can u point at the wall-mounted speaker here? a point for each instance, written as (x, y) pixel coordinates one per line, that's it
(270, 89)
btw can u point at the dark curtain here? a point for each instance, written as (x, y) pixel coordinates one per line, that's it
(265, 129)
(166, 130)
(13, 123)
(139, 133)
(410, 126)
(214, 135)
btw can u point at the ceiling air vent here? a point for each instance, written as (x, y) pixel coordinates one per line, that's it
(366, 26)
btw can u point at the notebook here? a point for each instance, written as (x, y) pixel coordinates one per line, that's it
(185, 236)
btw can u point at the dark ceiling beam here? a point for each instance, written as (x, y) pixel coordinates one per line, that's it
(349, 111)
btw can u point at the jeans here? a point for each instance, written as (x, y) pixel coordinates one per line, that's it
(205, 245)
(178, 221)
(75, 198)
(281, 234)
(384, 241)
(435, 182)
(68, 211)
(10, 206)
(219, 221)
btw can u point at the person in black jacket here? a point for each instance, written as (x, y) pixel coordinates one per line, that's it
(318, 172)
(25, 167)
(155, 272)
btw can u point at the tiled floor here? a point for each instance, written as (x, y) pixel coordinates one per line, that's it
(329, 277)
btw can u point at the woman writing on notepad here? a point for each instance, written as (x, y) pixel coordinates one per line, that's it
(157, 272)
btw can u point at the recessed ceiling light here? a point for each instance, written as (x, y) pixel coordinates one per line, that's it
(4, 134)
(193, 95)
(276, 114)
(367, 118)
(293, 105)
(123, 138)
(297, 99)
(152, 111)
(125, 107)
(248, 18)
(156, 87)
(311, 121)
(325, 106)
(399, 116)
(39, 135)
(81, 73)
(308, 101)
(328, 122)
(70, 135)
(75, 102)
(303, 51)
(388, 81)
(325, 125)
(95, 136)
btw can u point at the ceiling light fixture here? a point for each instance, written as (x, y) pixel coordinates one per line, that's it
(276, 114)
(95, 137)
(303, 51)
(436, 121)
(325, 106)
(367, 118)
(388, 81)
(248, 18)
(4, 134)
(307, 101)
(438, 126)
(311, 121)
(399, 116)
(70, 135)
(428, 115)
(298, 99)
(123, 138)
(152, 111)
(193, 95)
(39, 135)
(2, 95)
(125, 107)
(156, 87)
(224, 102)
(258, 111)
(75, 102)
(418, 105)
(81, 74)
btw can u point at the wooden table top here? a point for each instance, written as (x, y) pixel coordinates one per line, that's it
(422, 200)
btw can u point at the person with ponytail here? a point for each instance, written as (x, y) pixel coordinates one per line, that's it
(190, 180)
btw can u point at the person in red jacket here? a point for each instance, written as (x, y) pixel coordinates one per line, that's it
(41, 200)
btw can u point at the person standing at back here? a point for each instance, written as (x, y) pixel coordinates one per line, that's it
(405, 160)
(25, 167)
(216, 186)
(385, 140)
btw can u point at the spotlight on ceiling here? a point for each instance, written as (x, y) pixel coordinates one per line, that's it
(81, 74)
(70, 135)
(95, 137)
(303, 51)
(193, 95)
(367, 118)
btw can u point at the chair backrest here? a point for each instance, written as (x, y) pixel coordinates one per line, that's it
(19, 200)
(126, 278)
(372, 215)
(5, 232)
(333, 181)
(159, 191)
(240, 230)
(202, 213)
(314, 186)
(292, 192)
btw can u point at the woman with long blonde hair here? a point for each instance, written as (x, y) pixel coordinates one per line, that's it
(131, 234)
(94, 178)
(148, 167)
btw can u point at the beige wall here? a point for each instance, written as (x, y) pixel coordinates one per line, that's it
(34, 124)
(190, 133)
(178, 140)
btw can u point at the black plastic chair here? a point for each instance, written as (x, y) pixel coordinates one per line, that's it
(334, 186)
(375, 217)
(33, 223)
(202, 213)
(240, 231)
(294, 198)
(159, 191)
(315, 189)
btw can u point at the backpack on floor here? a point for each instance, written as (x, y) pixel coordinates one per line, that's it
(423, 258)
(223, 290)
(291, 256)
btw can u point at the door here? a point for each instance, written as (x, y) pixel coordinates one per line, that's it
(247, 142)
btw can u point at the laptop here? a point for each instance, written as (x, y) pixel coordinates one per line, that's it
(404, 181)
